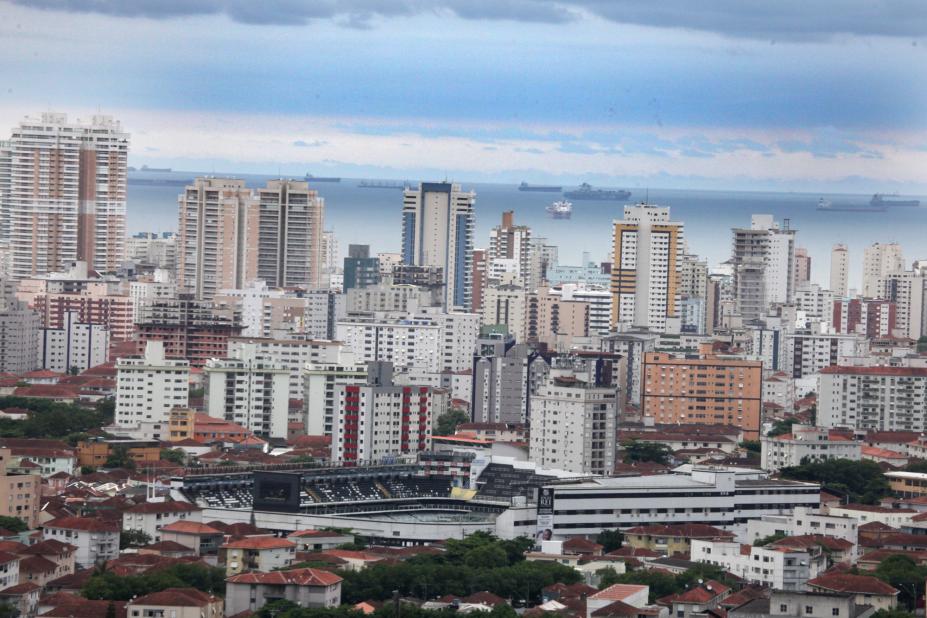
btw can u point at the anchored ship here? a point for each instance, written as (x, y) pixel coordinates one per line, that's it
(892, 201)
(524, 186)
(828, 206)
(383, 184)
(586, 192)
(312, 178)
(560, 209)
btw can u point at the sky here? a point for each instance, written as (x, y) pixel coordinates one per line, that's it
(829, 95)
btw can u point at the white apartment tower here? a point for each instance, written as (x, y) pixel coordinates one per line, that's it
(574, 419)
(878, 261)
(437, 231)
(149, 386)
(648, 249)
(763, 264)
(63, 194)
(513, 242)
(290, 247)
(249, 390)
(839, 270)
(216, 221)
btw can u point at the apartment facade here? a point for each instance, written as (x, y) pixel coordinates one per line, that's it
(189, 328)
(510, 241)
(709, 390)
(879, 398)
(320, 397)
(289, 241)
(870, 317)
(805, 443)
(501, 385)
(839, 270)
(648, 248)
(880, 259)
(437, 230)
(66, 194)
(149, 386)
(808, 353)
(763, 264)
(74, 344)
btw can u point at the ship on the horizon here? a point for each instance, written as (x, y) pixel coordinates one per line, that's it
(145, 168)
(828, 206)
(560, 209)
(892, 201)
(383, 184)
(586, 192)
(310, 178)
(524, 186)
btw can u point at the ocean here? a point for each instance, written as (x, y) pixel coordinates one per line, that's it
(372, 216)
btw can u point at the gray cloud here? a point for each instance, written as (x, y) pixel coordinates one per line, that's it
(782, 19)
(313, 144)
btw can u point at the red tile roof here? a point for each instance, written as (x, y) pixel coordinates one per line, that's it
(184, 526)
(171, 506)
(167, 546)
(618, 592)
(692, 531)
(298, 577)
(701, 594)
(876, 371)
(37, 564)
(845, 582)
(19, 589)
(259, 542)
(6, 557)
(86, 524)
(176, 597)
(809, 540)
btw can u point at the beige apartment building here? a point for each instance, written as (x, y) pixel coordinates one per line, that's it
(711, 390)
(19, 493)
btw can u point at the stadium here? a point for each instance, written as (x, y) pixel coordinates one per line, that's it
(451, 495)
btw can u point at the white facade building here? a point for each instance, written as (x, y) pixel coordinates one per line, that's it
(880, 259)
(805, 443)
(149, 386)
(74, 345)
(839, 270)
(320, 395)
(96, 540)
(763, 264)
(808, 353)
(289, 354)
(776, 568)
(598, 298)
(249, 390)
(803, 521)
(878, 398)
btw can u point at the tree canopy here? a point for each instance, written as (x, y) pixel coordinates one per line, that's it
(13, 524)
(447, 423)
(639, 450)
(781, 427)
(51, 419)
(905, 575)
(860, 481)
(610, 540)
(107, 585)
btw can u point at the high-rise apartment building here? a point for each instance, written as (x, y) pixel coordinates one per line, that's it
(802, 266)
(250, 390)
(74, 345)
(710, 390)
(880, 259)
(575, 416)
(877, 398)
(907, 289)
(501, 386)
(320, 396)
(645, 268)
(870, 317)
(189, 328)
(763, 263)
(510, 241)
(63, 194)
(507, 304)
(379, 418)
(437, 230)
(839, 270)
(217, 221)
(148, 387)
(360, 270)
(289, 239)
(20, 334)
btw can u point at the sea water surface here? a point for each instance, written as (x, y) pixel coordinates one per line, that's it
(372, 216)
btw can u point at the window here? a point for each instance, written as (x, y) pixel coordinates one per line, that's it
(835, 611)
(783, 608)
(808, 610)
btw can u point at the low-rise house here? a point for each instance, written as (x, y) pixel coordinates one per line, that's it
(780, 568)
(305, 587)
(802, 521)
(806, 443)
(177, 603)
(149, 517)
(168, 549)
(23, 597)
(63, 555)
(201, 538)
(9, 570)
(865, 513)
(318, 540)
(791, 604)
(697, 600)
(837, 550)
(884, 455)
(355, 560)
(96, 540)
(867, 590)
(581, 546)
(257, 553)
(629, 594)
(673, 538)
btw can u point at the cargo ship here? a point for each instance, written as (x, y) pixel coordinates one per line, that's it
(892, 201)
(561, 209)
(828, 206)
(586, 192)
(524, 186)
(383, 184)
(310, 178)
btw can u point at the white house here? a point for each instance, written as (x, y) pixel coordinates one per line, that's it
(150, 517)
(96, 540)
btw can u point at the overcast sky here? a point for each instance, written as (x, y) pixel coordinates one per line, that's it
(819, 95)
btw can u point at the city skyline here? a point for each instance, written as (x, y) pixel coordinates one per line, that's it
(565, 91)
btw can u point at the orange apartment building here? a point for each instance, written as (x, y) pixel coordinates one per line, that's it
(19, 493)
(709, 390)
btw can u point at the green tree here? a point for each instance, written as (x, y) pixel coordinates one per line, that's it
(610, 540)
(109, 586)
(133, 538)
(447, 423)
(916, 465)
(119, 458)
(172, 455)
(892, 613)
(766, 540)
(905, 575)
(752, 446)
(781, 427)
(860, 481)
(13, 524)
(639, 451)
